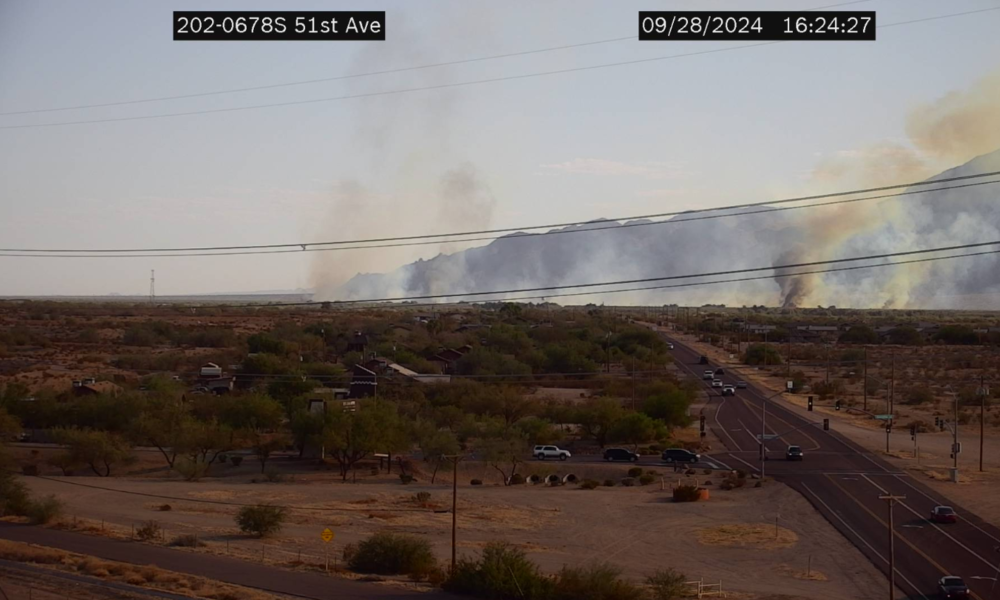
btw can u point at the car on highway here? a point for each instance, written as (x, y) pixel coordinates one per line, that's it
(952, 587)
(670, 346)
(612, 454)
(543, 452)
(728, 390)
(719, 371)
(703, 360)
(943, 514)
(794, 453)
(741, 385)
(717, 383)
(707, 374)
(672, 455)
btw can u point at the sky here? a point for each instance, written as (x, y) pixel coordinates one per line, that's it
(749, 124)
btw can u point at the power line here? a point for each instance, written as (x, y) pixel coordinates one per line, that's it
(352, 76)
(768, 207)
(455, 84)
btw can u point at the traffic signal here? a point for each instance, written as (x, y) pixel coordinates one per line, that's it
(941, 424)
(826, 424)
(937, 421)
(913, 432)
(702, 426)
(838, 405)
(810, 403)
(888, 426)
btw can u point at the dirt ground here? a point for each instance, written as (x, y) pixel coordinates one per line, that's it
(21, 585)
(637, 528)
(975, 490)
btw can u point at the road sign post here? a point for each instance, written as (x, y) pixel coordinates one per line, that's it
(327, 536)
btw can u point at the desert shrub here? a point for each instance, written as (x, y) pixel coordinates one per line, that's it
(741, 474)
(609, 483)
(191, 470)
(600, 581)
(44, 510)
(690, 472)
(686, 493)
(646, 479)
(628, 481)
(187, 541)
(502, 572)
(405, 478)
(666, 584)
(921, 425)
(422, 497)
(235, 460)
(387, 553)
(826, 389)
(261, 519)
(589, 484)
(273, 475)
(919, 395)
(759, 354)
(165, 508)
(14, 498)
(707, 471)
(516, 479)
(64, 461)
(476, 482)
(29, 470)
(150, 530)
(635, 472)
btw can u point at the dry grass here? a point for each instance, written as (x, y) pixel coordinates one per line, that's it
(741, 535)
(811, 575)
(146, 576)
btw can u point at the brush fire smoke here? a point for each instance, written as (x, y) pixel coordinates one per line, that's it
(958, 129)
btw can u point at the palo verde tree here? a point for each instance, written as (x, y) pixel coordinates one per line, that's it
(352, 436)
(99, 450)
(502, 447)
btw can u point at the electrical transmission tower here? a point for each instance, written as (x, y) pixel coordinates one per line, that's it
(152, 286)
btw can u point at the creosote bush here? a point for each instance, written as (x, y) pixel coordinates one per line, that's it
(44, 510)
(150, 530)
(635, 472)
(386, 553)
(686, 493)
(646, 479)
(261, 519)
(667, 584)
(589, 484)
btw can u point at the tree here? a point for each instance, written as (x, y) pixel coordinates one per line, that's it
(537, 430)
(905, 336)
(351, 436)
(99, 450)
(436, 444)
(266, 446)
(209, 439)
(290, 388)
(505, 403)
(166, 425)
(636, 428)
(263, 343)
(254, 418)
(598, 417)
(306, 428)
(956, 334)
(859, 334)
(760, 354)
(502, 448)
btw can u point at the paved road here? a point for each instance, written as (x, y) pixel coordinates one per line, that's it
(843, 482)
(220, 568)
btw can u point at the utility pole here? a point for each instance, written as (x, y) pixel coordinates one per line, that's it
(891, 500)
(982, 418)
(763, 442)
(633, 383)
(152, 286)
(892, 379)
(788, 360)
(865, 382)
(954, 446)
(828, 364)
(454, 505)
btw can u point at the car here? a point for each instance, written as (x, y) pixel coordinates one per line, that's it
(670, 346)
(672, 455)
(741, 385)
(719, 371)
(543, 452)
(943, 514)
(716, 383)
(612, 454)
(707, 374)
(728, 390)
(794, 453)
(703, 360)
(953, 587)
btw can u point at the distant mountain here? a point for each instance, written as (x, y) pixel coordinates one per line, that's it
(702, 243)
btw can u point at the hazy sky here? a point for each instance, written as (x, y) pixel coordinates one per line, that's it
(750, 124)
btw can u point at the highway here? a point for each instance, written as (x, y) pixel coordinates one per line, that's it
(843, 482)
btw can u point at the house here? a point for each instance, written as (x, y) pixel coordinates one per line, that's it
(95, 388)
(219, 385)
(471, 327)
(377, 364)
(364, 382)
(210, 370)
(400, 370)
(447, 358)
(358, 343)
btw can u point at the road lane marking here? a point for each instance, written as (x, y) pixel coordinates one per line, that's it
(863, 540)
(937, 527)
(937, 502)
(901, 537)
(709, 401)
(744, 462)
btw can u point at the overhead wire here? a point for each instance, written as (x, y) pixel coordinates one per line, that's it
(454, 84)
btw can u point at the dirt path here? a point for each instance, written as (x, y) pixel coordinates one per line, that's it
(306, 585)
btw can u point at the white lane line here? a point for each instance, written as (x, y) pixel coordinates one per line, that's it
(744, 462)
(938, 502)
(724, 465)
(936, 526)
(863, 540)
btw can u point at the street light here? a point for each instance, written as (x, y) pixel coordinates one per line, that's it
(892, 543)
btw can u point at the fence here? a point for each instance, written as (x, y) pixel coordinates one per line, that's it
(702, 589)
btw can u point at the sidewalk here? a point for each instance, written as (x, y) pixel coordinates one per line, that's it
(306, 585)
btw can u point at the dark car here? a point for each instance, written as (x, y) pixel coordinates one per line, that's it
(943, 514)
(719, 371)
(703, 360)
(953, 587)
(620, 454)
(741, 385)
(671, 455)
(794, 453)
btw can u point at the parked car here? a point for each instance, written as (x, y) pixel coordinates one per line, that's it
(703, 360)
(742, 385)
(543, 452)
(728, 390)
(794, 453)
(612, 454)
(719, 371)
(943, 514)
(953, 587)
(671, 455)
(717, 383)
(707, 374)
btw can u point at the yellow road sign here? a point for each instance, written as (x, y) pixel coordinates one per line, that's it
(327, 535)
